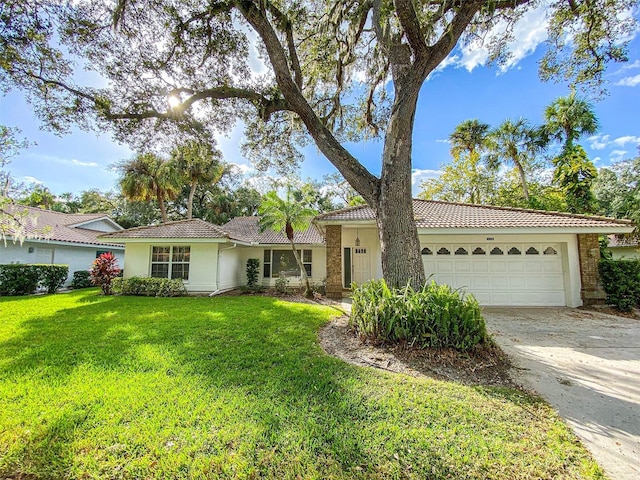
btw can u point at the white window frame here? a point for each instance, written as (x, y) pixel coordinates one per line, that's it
(171, 262)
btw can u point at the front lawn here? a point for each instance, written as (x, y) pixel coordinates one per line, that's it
(238, 387)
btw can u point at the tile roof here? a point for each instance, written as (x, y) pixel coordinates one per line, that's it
(247, 229)
(437, 214)
(623, 241)
(61, 227)
(194, 228)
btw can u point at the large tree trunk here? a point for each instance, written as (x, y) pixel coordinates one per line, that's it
(399, 242)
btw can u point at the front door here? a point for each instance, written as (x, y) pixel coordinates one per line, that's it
(361, 265)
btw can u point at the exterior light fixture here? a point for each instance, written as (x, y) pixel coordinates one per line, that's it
(357, 238)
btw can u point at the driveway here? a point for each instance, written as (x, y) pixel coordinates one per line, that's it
(587, 365)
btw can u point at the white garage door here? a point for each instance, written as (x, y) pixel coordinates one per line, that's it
(500, 274)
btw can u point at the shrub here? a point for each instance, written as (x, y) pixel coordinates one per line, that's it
(52, 277)
(435, 316)
(21, 279)
(621, 282)
(81, 279)
(149, 287)
(18, 279)
(282, 285)
(103, 270)
(253, 268)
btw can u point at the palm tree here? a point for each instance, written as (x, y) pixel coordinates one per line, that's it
(198, 163)
(568, 118)
(516, 143)
(147, 176)
(468, 140)
(277, 214)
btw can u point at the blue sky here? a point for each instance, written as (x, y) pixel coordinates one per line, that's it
(461, 90)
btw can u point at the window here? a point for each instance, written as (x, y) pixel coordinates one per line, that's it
(427, 251)
(478, 251)
(514, 251)
(496, 251)
(550, 251)
(532, 251)
(100, 252)
(461, 251)
(443, 251)
(283, 263)
(170, 262)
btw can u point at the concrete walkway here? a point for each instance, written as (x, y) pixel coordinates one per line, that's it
(587, 365)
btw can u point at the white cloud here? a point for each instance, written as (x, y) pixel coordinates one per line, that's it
(599, 142)
(617, 155)
(529, 32)
(443, 140)
(30, 179)
(628, 81)
(597, 160)
(622, 141)
(419, 175)
(82, 164)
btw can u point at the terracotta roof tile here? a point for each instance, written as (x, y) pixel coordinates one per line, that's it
(436, 214)
(247, 229)
(194, 228)
(56, 226)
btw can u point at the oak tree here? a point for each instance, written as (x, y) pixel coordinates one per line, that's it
(330, 71)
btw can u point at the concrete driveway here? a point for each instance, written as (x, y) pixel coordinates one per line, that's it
(587, 365)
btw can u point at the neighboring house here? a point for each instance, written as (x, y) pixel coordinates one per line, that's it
(61, 238)
(623, 246)
(504, 256)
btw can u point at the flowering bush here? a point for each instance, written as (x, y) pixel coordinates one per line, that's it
(103, 270)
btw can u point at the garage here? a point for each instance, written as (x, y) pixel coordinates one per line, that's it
(517, 274)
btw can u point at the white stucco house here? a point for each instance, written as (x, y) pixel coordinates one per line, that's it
(504, 256)
(62, 239)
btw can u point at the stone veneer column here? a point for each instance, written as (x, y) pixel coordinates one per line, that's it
(333, 241)
(591, 290)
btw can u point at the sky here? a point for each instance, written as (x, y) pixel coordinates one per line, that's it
(463, 88)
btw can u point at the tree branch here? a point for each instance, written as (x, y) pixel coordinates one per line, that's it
(366, 183)
(411, 26)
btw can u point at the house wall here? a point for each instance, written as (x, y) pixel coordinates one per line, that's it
(203, 264)
(100, 226)
(589, 255)
(318, 264)
(77, 257)
(627, 253)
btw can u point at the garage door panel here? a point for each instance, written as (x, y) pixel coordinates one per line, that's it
(501, 279)
(480, 266)
(497, 266)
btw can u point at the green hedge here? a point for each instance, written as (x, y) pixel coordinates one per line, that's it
(621, 282)
(22, 279)
(148, 287)
(435, 316)
(81, 279)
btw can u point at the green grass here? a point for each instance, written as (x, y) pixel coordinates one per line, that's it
(238, 387)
